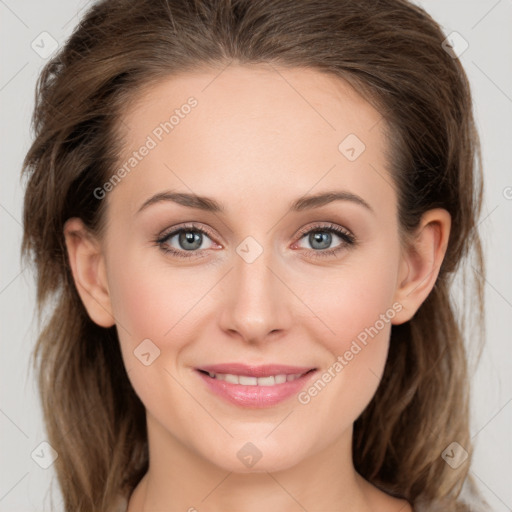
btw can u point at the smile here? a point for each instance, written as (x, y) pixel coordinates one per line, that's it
(255, 386)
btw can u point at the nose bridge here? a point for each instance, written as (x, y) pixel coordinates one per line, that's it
(256, 305)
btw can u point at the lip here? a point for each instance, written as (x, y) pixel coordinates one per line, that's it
(255, 396)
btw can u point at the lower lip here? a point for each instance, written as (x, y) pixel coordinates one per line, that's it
(255, 396)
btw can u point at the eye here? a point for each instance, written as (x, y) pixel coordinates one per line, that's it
(188, 241)
(185, 242)
(321, 237)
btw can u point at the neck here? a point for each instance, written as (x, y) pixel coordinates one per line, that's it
(180, 479)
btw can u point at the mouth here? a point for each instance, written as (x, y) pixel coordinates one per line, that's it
(255, 386)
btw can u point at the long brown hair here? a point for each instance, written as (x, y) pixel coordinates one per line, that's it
(391, 52)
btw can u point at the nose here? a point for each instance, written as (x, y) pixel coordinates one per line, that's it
(257, 301)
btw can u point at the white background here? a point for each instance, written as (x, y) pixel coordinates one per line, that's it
(485, 25)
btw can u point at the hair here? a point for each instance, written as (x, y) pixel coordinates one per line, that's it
(390, 52)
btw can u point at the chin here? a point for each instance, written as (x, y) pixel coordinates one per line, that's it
(257, 456)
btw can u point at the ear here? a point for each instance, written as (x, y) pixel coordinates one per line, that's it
(421, 261)
(88, 269)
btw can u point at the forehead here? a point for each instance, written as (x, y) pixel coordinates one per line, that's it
(235, 131)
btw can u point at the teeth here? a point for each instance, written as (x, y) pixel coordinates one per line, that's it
(280, 379)
(264, 381)
(232, 379)
(244, 380)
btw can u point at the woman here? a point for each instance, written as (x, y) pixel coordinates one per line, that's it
(249, 215)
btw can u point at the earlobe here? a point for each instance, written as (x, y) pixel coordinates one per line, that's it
(89, 274)
(421, 262)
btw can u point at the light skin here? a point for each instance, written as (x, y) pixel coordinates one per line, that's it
(255, 143)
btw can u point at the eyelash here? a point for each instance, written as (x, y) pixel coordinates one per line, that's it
(347, 237)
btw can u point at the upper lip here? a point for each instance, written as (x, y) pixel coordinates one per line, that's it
(265, 370)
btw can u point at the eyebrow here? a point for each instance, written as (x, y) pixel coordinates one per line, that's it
(211, 205)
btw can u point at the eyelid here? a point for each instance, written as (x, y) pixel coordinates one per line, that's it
(326, 226)
(192, 226)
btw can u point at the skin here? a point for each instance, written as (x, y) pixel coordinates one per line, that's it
(259, 138)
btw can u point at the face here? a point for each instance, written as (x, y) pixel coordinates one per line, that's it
(259, 281)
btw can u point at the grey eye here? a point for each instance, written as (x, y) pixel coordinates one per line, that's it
(320, 239)
(190, 240)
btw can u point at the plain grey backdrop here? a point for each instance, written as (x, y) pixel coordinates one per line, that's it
(31, 29)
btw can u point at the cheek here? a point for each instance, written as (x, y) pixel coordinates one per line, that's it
(151, 299)
(356, 298)
(356, 305)
(357, 357)
(154, 310)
